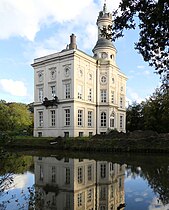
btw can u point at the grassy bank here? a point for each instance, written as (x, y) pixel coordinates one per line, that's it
(121, 143)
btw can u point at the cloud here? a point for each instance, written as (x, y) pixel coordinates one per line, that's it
(133, 96)
(140, 67)
(30, 16)
(15, 88)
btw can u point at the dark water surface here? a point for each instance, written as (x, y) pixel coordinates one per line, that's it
(46, 180)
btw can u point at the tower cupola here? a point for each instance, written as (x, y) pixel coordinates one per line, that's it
(104, 48)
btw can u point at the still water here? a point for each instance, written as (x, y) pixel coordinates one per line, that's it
(83, 182)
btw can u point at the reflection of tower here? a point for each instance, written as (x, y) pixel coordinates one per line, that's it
(110, 185)
(71, 184)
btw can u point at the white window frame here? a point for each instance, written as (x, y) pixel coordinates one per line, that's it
(67, 90)
(40, 94)
(53, 174)
(112, 97)
(79, 199)
(89, 195)
(103, 119)
(80, 175)
(67, 176)
(40, 118)
(53, 90)
(121, 102)
(79, 92)
(80, 118)
(121, 121)
(67, 117)
(89, 94)
(103, 170)
(103, 95)
(53, 117)
(89, 172)
(90, 118)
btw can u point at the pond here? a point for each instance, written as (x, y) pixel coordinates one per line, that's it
(45, 180)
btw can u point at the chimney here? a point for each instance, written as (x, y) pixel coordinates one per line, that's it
(72, 44)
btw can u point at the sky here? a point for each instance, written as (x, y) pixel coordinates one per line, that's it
(34, 28)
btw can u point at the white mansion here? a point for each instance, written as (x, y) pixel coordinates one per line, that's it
(79, 95)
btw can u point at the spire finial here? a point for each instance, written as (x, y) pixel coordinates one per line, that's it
(104, 7)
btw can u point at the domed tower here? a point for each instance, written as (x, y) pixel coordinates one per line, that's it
(104, 48)
(110, 81)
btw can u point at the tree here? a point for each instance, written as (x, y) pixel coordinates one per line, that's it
(156, 111)
(151, 17)
(20, 116)
(4, 116)
(134, 117)
(151, 114)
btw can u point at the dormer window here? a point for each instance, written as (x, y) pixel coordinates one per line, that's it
(40, 77)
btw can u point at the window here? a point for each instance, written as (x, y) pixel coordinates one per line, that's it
(67, 117)
(90, 95)
(53, 118)
(54, 200)
(90, 134)
(113, 80)
(80, 115)
(67, 90)
(103, 170)
(89, 118)
(111, 191)
(53, 91)
(112, 97)
(79, 199)
(103, 119)
(89, 172)
(53, 74)
(40, 77)
(39, 134)
(40, 119)
(103, 95)
(120, 182)
(79, 93)
(102, 207)
(53, 174)
(66, 134)
(67, 71)
(102, 192)
(89, 195)
(79, 175)
(68, 200)
(41, 173)
(40, 94)
(121, 121)
(112, 122)
(121, 102)
(67, 175)
(80, 134)
(90, 76)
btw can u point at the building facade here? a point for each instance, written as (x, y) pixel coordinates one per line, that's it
(79, 95)
(79, 184)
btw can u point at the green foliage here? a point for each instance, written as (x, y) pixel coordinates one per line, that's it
(151, 17)
(152, 114)
(16, 117)
(4, 117)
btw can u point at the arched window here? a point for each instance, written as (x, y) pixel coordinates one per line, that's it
(103, 119)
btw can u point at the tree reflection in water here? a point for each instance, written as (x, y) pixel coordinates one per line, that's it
(154, 169)
(156, 172)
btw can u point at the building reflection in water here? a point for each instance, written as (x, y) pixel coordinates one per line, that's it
(82, 184)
